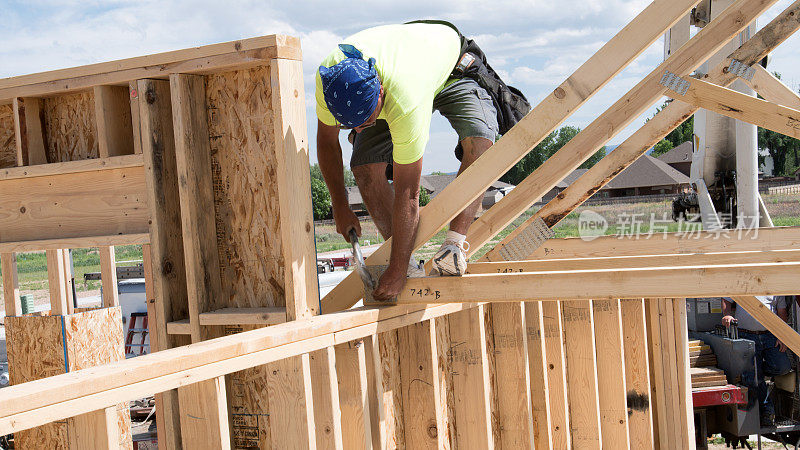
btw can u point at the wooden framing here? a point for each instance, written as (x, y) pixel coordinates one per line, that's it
(582, 347)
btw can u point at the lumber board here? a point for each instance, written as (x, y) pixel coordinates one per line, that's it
(198, 59)
(8, 137)
(773, 89)
(581, 370)
(136, 126)
(684, 383)
(736, 105)
(196, 195)
(771, 322)
(294, 189)
(752, 51)
(351, 373)
(95, 430)
(682, 62)
(471, 379)
(610, 362)
(71, 167)
(617, 53)
(556, 377)
(601, 284)
(204, 415)
(103, 202)
(57, 283)
(637, 373)
(291, 404)
(390, 390)
(112, 109)
(372, 357)
(539, 388)
(168, 279)
(244, 316)
(43, 401)
(325, 389)
(108, 276)
(643, 261)
(416, 350)
(760, 239)
(30, 137)
(11, 298)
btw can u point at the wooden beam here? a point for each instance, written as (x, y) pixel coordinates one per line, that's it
(204, 414)
(416, 374)
(581, 369)
(773, 89)
(57, 282)
(10, 284)
(102, 202)
(108, 275)
(684, 379)
(611, 371)
(682, 62)
(736, 105)
(28, 126)
(294, 189)
(79, 242)
(623, 262)
(691, 281)
(112, 110)
(168, 278)
(69, 280)
(20, 134)
(623, 48)
(771, 322)
(244, 316)
(374, 392)
(203, 59)
(325, 389)
(96, 430)
(71, 167)
(637, 373)
(556, 376)
(291, 403)
(538, 388)
(196, 192)
(759, 239)
(390, 390)
(471, 379)
(136, 130)
(351, 373)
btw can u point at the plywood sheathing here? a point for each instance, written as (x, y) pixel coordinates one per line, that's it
(92, 338)
(8, 144)
(70, 127)
(245, 193)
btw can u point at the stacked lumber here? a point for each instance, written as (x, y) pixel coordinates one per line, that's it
(701, 355)
(707, 377)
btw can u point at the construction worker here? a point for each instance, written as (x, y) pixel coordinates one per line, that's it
(383, 83)
(770, 357)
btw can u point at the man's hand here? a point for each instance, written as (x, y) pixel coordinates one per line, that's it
(781, 346)
(390, 284)
(345, 220)
(728, 320)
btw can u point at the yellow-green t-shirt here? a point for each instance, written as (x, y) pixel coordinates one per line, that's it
(413, 62)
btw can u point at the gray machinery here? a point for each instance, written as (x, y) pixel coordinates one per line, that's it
(724, 194)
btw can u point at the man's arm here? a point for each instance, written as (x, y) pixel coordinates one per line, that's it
(405, 218)
(727, 312)
(329, 154)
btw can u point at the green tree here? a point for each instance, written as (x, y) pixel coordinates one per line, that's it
(320, 199)
(424, 197)
(676, 137)
(544, 150)
(783, 149)
(349, 179)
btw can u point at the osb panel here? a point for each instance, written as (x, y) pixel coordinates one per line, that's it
(8, 142)
(94, 338)
(35, 350)
(245, 189)
(70, 127)
(248, 403)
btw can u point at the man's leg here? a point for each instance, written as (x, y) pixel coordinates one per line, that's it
(774, 363)
(377, 194)
(473, 147)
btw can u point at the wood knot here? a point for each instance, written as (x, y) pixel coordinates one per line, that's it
(166, 268)
(432, 431)
(22, 209)
(308, 227)
(296, 93)
(237, 45)
(560, 93)
(552, 367)
(150, 96)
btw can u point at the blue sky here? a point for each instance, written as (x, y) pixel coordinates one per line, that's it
(534, 44)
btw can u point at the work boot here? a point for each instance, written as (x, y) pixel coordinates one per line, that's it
(451, 258)
(415, 270)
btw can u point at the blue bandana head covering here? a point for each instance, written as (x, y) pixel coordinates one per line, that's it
(351, 88)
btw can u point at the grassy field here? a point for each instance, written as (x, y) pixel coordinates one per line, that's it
(784, 209)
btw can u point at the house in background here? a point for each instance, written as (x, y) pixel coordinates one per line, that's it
(355, 201)
(680, 158)
(563, 184)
